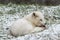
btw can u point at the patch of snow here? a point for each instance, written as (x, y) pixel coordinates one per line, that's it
(52, 33)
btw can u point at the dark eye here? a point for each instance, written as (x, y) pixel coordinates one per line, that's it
(40, 19)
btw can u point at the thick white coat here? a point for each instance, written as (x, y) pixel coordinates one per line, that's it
(27, 24)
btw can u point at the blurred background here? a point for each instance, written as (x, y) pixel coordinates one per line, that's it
(44, 2)
(11, 10)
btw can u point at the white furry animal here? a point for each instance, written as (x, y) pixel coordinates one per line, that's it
(28, 24)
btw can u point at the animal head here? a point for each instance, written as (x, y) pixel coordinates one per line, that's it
(38, 19)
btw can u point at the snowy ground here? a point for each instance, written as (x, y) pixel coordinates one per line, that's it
(12, 12)
(52, 33)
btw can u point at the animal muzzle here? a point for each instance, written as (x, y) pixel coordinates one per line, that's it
(42, 26)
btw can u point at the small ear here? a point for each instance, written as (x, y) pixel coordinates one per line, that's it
(34, 14)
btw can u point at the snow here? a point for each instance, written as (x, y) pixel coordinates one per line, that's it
(52, 33)
(9, 14)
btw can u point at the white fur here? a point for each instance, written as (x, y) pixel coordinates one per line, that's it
(27, 24)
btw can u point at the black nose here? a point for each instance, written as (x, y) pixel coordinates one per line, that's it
(42, 26)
